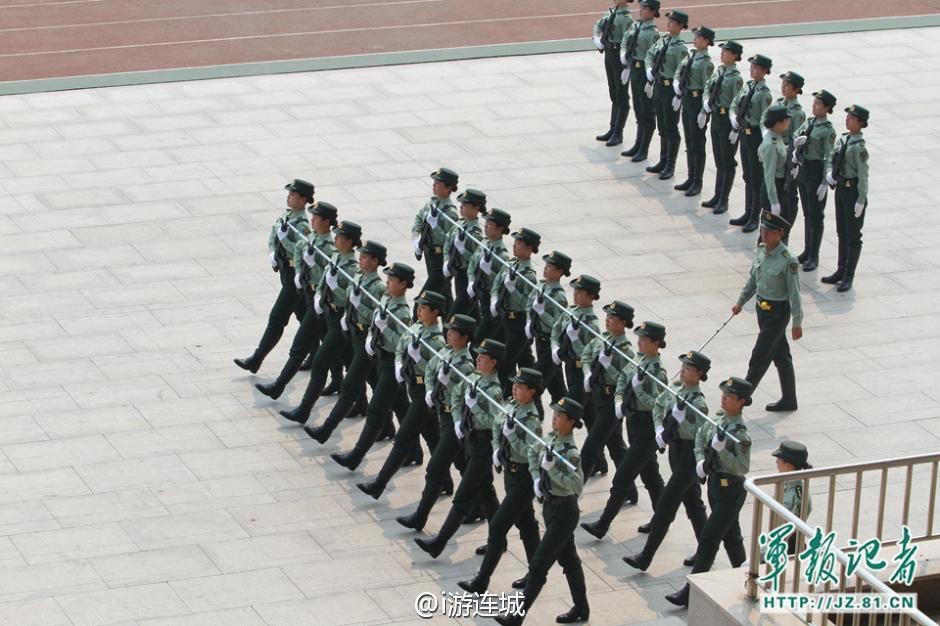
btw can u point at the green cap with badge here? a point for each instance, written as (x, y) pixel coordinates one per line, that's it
(400, 270)
(445, 175)
(794, 79)
(350, 230)
(622, 310)
(475, 197)
(733, 46)
(699, 361)
(433, 299)
(302, 187)
(492, 348)
(776, 113)
(680, 17)
(570, 407)
(739, 387)
(500, 218)
(464, 324)
(772, 221)
(374, 249)
(858, 111)
(761, 61)
(560, 260)
(529, 377)
(794, 453)
(705, 33)
(588, 284)
(651, 4)
(827, 98)
(325, 210)
(529, 236)
(653, 330)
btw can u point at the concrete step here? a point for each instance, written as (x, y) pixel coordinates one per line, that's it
(718, 598)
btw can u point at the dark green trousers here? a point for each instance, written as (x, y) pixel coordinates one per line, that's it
(751, 167)
(514, 510)
(722, 149)
(463, 303)
(606, 430)
(772, 346)
(361, 370)
(447, 451)
(518, 347)
(849, 227)
(644, 110)
(694, 136)
(725, 497)
(476, 483)
(311, 331)
(288, 302)
(682, 489)
(418, 422)
(386, 396)
(638, 460)
(335, 348)
(551, 373)
(434, 262)
(667, 120)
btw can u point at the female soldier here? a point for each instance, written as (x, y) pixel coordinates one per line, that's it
(676, 427)
(482, 268)
(608, 33)
(637, 41)
(662, 62)
(429, 230)
(811, 148)
(773, 157)
(725, 463)
(509, 298)
(282, 243)
(558, 487)
(747, 109)
(459, 247)
(848, 174)
(330, 302)
(542, 317)
(689, 85)
(381, 342)
(723, 86)
(355, 322)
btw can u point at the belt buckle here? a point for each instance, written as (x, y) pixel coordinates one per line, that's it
(722, 110)
(313, 288)
(637, 63)
(667, 82)
(291, 263)
(747, 131)
(445, 408)
(848, 183)
(360, 327)
(419, 380)
(438, 250)
(577, 364)
(513, 467)
(724, 482)
(695, 93)
(766, 306)
(511, 315)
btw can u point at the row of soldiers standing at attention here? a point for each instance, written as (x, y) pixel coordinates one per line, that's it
(786, 157)
(471, 387)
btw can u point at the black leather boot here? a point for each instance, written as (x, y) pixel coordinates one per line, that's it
(812, 258)
(392, 464)
(307, 364)
(481, 581)
(435, 546)
(690, 165)
(602, 525)
(301, 413)
(848, 276)
(637, 142)
(679, 598)
(617, 137)
(580, 612)
(836, 277)
(252, 363)
(353, 458)
(643, 151)
(388, 431)
(359, 408)
(419, 518)
(753, 219)
(336, 383)
(638, 561)
(727, 181)
(613, 121)
(698, 160)
(712, 202)
(275, 389)
(669, 168)
(663, 156)
(741, 221)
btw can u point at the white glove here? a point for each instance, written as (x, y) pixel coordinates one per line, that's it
(470, 401)
(446, 270)
(369, 349)
(636, 382)
(457, 430)
(272, 259)
(414, 351)
(355, 298)
(493, 302)
(700, 469)
(507, 430)
(318, 304)
(535, 487)
(528, 330)
(795, 159)
(442, 377)
(625, 76)
(572, 332)
(282, 234)
(649, 74)
(486, 265)
(718, 444)
(344, 324)
(460, 245)
(431, 219)
(660, 442)
(548, 461)
(859, 209)
(556, 358)
(821, 191)
(309, 259)
(416, 245)
(702, 119)
(297, 281)
(794, 171)
(598, 43)
(799, 140)
(677, 87)
(496, 462)
(470, 291)
(332, 281)
(587, 382)
(830, 179)
(648, 90)
(676, 103)
(428, 399)
(678, 414)
(734, 122)
(706, 107)
(618, 410)
(380, 323)
(398, 375)
(539, 307)
(605, 359)
(775, 208)
(623, 61)
(733, 136)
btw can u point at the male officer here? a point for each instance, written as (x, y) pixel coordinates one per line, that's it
(774, 278)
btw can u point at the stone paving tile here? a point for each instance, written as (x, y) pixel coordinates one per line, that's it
(144, 480)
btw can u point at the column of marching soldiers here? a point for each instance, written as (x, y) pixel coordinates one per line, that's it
(471, 386)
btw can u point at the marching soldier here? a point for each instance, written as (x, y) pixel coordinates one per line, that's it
(662, 62)
(792, 456)
(282, 243)
(791, 86)
(604, 364)
(308, 270)
(774, 279)
(476, 402)
(355, 322)
(722, 88)
(723, 463)
(609, 31)
(382, 341)
(812, 146)
(558, 487)
(747, 110)
(691, 77)
(634, 398)
(459, 247)
(542, 317)
(637, 41)
(330, 302)
(512, 449)
(772, 155)
(676, 427)
(848, 174)
(509, 298)
(429, 230)
(482, 269)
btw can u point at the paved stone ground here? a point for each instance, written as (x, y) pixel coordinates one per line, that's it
(142, 479)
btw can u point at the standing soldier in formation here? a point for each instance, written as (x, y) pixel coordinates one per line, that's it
(772, 155)
(721, 90)
(509, 299)
(330, 303)
(662, 63)
(558, 487)
(542, 316)
(459, 247)
(723, 463)
(848, 174)
(429, 230)
(812, 146)
(637, 41)
(791, 86)
(676, 427)
(689, 85)
(282, 244)
(482, 269)
(774, 278)
(609, 31)
(747, 109)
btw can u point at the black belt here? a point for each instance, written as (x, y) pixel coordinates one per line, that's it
(696, 93)
(667, 82)
(848, 182)
(638, 64)
(550, 496)
(419, 380)
(516, 467)
(607, 390)
(511, 315)
(612, 46)
(728, 480)
(749, 130)
(722, 110)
